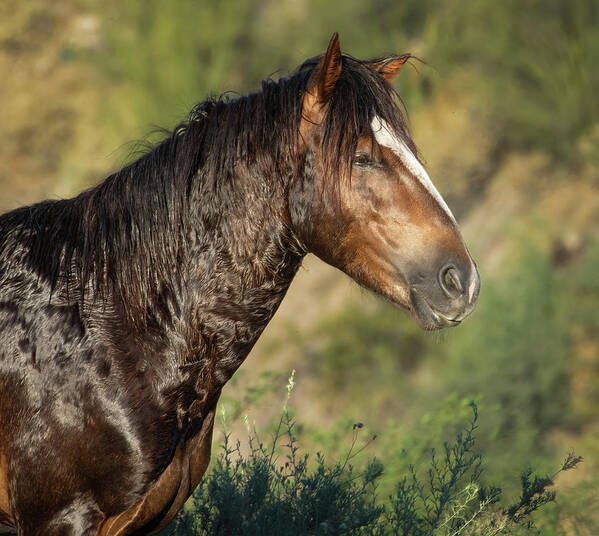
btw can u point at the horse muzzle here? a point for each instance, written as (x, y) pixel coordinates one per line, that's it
(445, 300)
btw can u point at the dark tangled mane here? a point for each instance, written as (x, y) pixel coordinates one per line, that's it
(126, 236)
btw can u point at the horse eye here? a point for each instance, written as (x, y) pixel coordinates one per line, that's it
(363, 159)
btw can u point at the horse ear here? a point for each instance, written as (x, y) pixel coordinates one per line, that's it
(389, 67)
(326, 73)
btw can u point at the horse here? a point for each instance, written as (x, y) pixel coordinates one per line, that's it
(126, 309)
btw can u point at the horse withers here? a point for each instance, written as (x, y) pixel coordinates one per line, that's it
(124, 310)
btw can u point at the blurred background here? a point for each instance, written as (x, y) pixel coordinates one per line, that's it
(505, 111)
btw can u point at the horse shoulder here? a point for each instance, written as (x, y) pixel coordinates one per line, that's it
(173, 487)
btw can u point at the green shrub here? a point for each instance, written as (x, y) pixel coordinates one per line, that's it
(277, 489)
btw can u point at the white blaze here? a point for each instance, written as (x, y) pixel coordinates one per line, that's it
(384, 135)
(471, 290)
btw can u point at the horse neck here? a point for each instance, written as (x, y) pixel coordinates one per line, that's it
(242, 259)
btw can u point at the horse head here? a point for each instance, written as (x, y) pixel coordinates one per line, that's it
(364, 202)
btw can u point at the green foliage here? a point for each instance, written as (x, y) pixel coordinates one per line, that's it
(164, 57)
(533, 65)
(259, 494)
(518, 334)
(581, 285)
(527, 356)
(520, 350)
(514, 355)
(369, 344)
(536, 61)
(438, 502)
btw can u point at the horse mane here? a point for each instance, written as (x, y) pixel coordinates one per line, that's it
(126, 237)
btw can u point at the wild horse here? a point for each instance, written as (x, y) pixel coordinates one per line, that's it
(124, 310)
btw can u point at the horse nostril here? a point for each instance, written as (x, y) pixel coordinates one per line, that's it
(450, 282)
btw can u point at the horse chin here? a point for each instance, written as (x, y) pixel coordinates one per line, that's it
(426, 316)
(412, 300)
